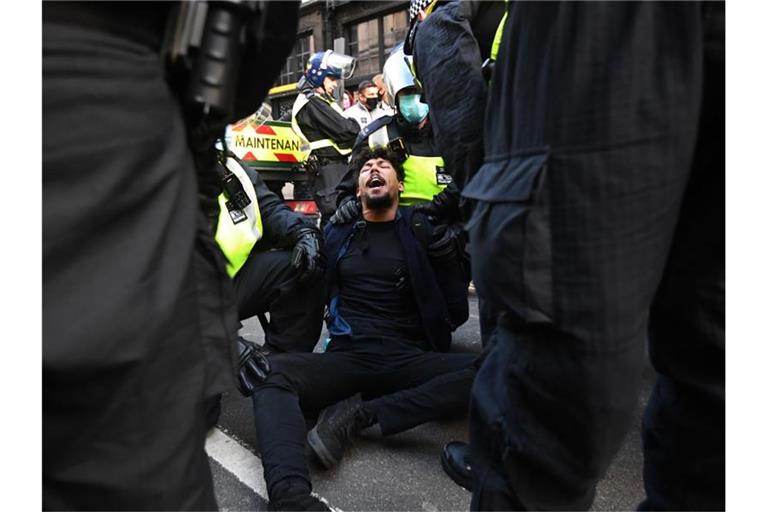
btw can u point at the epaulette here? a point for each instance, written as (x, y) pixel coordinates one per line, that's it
(370, 128)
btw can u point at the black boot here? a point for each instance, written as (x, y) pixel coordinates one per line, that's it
(294, 494)
(455, 461)
(335, 428)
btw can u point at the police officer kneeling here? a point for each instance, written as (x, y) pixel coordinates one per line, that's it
(273, 256)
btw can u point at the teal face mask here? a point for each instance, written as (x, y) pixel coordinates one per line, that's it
(412, 109)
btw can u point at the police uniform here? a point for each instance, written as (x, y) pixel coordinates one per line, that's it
(257, 241)
(138, 313)
(598, 226)
(320, 122)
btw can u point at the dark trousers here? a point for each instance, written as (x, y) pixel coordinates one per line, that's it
(268, 283)
(600, 231)
(412, 386)
(138, 313)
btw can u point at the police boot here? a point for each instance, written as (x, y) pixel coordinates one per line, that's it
(294, 494)
(455, 461)
(336, 426)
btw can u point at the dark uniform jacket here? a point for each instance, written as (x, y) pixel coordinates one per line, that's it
(318, 120)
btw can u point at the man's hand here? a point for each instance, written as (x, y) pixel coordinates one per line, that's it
(346, 212)
(253, 366)
(307, 259)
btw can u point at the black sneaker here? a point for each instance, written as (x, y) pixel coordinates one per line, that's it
(335, 428)
(455, 461)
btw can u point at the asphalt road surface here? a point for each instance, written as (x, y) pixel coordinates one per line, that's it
(400, 472)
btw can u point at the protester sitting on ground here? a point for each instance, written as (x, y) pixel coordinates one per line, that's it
(390, 321)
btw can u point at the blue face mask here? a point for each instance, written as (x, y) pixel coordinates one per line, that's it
(412, 109)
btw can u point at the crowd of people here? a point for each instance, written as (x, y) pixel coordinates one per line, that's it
(577, 180)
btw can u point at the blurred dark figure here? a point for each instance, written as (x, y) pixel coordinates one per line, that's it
(139, 316)
(598, 224)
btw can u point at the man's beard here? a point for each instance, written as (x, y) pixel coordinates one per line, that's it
(379, 202)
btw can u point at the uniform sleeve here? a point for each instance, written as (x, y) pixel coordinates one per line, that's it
(279, 221)
(449, 66)
(320, 116)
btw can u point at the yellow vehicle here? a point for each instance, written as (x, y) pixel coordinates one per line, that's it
(275, 151)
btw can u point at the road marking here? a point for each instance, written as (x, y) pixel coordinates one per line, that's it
(236, 459)
(243, 464)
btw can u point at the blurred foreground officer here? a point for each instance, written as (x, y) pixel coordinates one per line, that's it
(139, 316)
(318, 120)
(598, 225)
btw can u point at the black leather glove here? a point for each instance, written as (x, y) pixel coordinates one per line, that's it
(346, 212)
(446, 241)
(443, 207)
(253, 366)
(307, 257)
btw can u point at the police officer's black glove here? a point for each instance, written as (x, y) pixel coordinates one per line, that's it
(444, 207)
(307, 258)
(253, 366)
(346, 212)
(446, 241)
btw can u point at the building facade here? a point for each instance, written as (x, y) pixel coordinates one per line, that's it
(366, 30)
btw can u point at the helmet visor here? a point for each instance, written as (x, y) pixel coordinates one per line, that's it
(344, 64)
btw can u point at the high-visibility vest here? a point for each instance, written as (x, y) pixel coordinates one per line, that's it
(238, 230)
(425, 176)
(300, 102)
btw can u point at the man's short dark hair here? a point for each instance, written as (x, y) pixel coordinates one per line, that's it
(365, 84)
(365, 154)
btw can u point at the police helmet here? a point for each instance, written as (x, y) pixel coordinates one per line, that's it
(328, 63)
(397, 73)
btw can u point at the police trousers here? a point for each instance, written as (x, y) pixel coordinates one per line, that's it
(593, 251)
(404, 386)
(267, 283)
(139, 315)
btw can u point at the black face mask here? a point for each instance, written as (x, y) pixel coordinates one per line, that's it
(371, 103)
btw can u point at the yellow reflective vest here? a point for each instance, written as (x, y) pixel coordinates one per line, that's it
(238, 230)
(425, 176)
(300, 102)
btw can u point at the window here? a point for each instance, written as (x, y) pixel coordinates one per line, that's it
(294, 64)
(395, 29)
(371, 41)
(364, 45)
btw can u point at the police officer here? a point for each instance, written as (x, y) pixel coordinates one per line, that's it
(317, 119)
(428, 183)
(273, 256)
(139, 316)
(599, 227)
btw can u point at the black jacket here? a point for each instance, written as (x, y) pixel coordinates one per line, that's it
(318, 120)
(449, 49)
(280, 223)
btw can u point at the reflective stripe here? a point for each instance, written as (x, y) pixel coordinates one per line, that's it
(237, 240)
(499, 33)
(300, 102)
(421, 172)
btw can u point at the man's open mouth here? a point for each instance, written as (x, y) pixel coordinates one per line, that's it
(375, 182)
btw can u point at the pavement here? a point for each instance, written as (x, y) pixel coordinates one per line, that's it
(400, 472)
